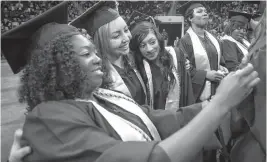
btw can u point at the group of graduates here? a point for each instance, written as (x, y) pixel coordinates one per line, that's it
(117, 93)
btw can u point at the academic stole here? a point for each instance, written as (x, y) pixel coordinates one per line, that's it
(118, 83)
(243, 48)
(125, 129)
(202, 60)
(173, 97)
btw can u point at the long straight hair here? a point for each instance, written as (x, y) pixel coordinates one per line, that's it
(102, 41)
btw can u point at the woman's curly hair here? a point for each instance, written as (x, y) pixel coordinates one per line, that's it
(139, 32)
(52, 73)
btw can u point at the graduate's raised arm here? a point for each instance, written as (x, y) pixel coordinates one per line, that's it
(183, 144)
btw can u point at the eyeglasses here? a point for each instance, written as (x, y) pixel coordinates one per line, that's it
(242, 28)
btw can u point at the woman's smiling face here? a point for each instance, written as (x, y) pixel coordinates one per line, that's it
(149, 47)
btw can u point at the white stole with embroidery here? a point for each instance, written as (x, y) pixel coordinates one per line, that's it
(202, 60)
(173, 97)
(127, 130)
(240, 45)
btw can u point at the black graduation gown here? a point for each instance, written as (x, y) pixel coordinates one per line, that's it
(160, 87)
(187, 95)
(160, 84)
(199, 76)
(232, 55)
(64, 131)
(133, 84)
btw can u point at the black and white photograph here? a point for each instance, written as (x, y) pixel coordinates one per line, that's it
(133, 81)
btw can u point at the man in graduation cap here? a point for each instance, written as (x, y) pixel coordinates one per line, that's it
(235, 44)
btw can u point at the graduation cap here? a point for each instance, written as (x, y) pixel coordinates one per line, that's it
(15, 43)
(95, 17)
(137, 17)
(240, 17)
(187, 7)
(256, 15)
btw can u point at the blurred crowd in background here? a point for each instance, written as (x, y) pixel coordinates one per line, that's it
(15, 13)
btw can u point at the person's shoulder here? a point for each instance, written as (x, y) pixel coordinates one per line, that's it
(185, 42)
(57, 107)
(186, 39)
(215, 36)
(228, 43)
(55, 103)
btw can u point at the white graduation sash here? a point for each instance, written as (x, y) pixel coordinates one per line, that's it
(246, 43)
(150, 83)
(173, 97)
(125, 129)
(240, 45)
(129, 105)
(118, 83)
(202, 60)
(142, 84)
(171, 50)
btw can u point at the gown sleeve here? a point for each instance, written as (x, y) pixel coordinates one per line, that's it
(62, 132)
(168, 122)
(198, 76)
(186, 94)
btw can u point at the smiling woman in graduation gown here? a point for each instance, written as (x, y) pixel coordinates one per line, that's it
(113, 127)
(71, 119)
(162, 68)
(111, 36)
(81, 133)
